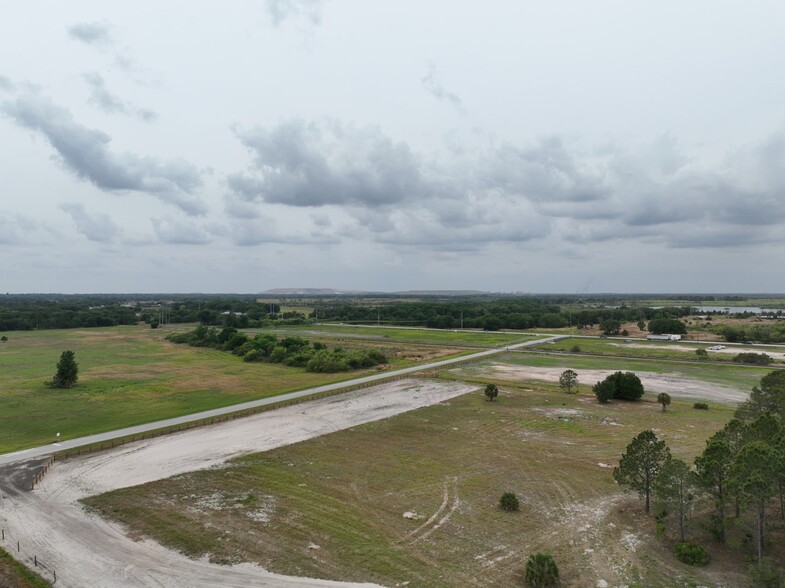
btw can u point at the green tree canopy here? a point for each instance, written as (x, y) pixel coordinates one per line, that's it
(768, 397)
(619, 385)
(664, 398)
(640, 465)
(67, 371)
(670, 326)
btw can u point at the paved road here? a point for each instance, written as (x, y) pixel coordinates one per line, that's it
(44, 450)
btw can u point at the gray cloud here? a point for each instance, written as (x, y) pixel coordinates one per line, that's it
(86, 153)
(5, 84)
(321, 163)
(111, 103)
(180, 232)
(281, 10)
(654, 193)
(438, 91)
(91, 33)
(16, 228)
(97, 227)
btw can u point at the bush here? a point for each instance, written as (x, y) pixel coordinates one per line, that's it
(541, 571)
(509, 502)
(701, 406)
(575, 349)
(753, 358)
(491, 391)
(691, 553)
(623, 386)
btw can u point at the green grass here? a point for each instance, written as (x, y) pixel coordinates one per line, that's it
(346, 492)
(15, 575)
(649, 349)
(457, 338)
(130, 375)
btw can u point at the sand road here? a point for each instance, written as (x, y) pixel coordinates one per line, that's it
(89, 552)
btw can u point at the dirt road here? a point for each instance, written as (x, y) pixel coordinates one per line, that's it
(88, 552)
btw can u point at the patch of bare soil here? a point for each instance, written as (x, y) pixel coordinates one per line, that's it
(675, 384)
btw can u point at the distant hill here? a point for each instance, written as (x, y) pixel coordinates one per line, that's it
(332, 292)
(311, 292)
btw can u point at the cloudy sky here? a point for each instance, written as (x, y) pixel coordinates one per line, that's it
(504, 145)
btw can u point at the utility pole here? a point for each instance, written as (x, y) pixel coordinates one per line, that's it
(461, 320)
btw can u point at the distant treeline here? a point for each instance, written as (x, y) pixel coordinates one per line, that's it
(491, 315)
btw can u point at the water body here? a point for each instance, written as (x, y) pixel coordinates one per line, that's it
(737, 309)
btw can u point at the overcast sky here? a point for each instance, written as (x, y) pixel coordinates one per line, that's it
(504, 145)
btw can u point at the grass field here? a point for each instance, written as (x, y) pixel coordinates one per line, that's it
(334, 506)
(655, 349)
(130, 375)
(458, 338)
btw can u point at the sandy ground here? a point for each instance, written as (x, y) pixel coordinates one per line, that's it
(732, 350)
(89, 552)
(674, 384)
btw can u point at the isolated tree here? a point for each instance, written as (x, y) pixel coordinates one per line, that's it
(541, 571)
(509, 502)
(619, 385)
(712, 467)
(67, 371)
(674, 487)
(664, 398)
(640, 465)
(568, 380)
(491, 391)
(3, 338)
(641, 325)
(701, 354)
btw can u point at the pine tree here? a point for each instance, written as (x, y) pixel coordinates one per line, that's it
(67, 371)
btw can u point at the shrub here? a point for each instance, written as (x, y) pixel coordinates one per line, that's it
(491, 391)
(541, 571)
(509, 502)
(623, 386)
(753, 358)
(701, 406)
(691, 553)
(575, 349)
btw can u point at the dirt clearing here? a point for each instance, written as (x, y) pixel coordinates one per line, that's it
(675, 384)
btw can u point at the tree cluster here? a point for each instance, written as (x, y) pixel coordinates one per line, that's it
(742, 466)
(289, 351)
(661, 326)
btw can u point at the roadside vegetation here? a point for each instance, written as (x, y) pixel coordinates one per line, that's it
(289, 351)
(15, 575)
